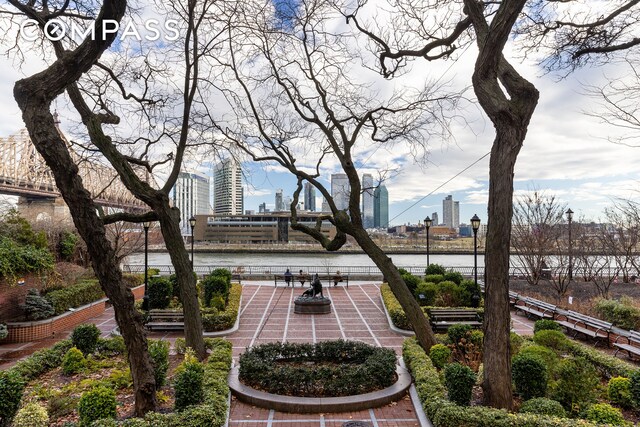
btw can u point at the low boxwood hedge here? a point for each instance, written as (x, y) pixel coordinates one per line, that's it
(328, 368)
(444, 413)
(75, 295)
(397, 314)
(215, 320)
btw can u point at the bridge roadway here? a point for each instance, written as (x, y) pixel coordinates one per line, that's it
(267, 315)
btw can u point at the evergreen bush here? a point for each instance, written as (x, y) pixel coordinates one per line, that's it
(4, 331)
(603, 413)
(454, 276)
(619, 391)
(223, 272)
(37, 307)
(457, 332)
(11, 388)
(543, 406)
(440, 355)
(412, 282)
(452, 295)
(160, 292)
(621, 313)
(552, 339)
(96, 404)
(215, 285)
(74, 296)
(73, 362)
(428, 292)
(549, 357)
(546, 325)
(576, 384)
(31, 415)
(159, 352)
(635, 388)
(85, 338)
(435, 269)
(459, 381)
(434, 278)
(188, 382)
(529, 375)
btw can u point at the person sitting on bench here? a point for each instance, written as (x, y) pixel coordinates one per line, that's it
(337, 278)
(302, 277)
(288, 277)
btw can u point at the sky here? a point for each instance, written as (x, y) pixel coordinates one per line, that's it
(567, 153)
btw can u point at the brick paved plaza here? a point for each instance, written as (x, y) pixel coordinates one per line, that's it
(267, 315)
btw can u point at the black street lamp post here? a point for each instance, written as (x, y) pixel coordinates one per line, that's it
(145, 298)
(570, 218)
(427, 225)
(475, 224)
(192, 223)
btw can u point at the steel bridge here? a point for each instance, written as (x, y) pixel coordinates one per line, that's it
(24, 173)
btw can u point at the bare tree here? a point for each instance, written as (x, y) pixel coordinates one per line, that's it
(536, 227)
(300, 104)
(509, 100)
(621, 237)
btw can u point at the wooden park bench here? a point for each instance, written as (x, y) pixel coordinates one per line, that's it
(534, 307)
(513, 298)
(165, 320)
(443, 318)
(586, 325)
(631, 337)
(327, 280)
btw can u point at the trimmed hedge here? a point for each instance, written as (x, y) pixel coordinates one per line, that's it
(443, 413)
(340, 368)
(215, 320)
(620, 313)
(607, 366)
(75, 295)
(396, 313)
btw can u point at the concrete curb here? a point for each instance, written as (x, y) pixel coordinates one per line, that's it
(322, 404)
(391, 325)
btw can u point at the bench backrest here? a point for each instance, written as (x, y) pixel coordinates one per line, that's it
(588, 320)
(634, 336)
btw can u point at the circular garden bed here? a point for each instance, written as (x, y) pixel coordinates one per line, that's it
(326, 369)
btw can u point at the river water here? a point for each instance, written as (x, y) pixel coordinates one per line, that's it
(296, 259)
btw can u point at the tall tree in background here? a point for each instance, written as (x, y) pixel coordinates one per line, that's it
(302, 101)
(509, 101)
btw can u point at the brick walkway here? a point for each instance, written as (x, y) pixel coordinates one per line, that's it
(267, 316)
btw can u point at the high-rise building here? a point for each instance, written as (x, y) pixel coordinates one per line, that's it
(191, 197)
(279, 201)
(262, 207)
(287, 203)
(434, 218)
(309, 197)
(325, 206)
(340, 190)
(367, 200)
(450, 212)
(381, 207)
(228, 195)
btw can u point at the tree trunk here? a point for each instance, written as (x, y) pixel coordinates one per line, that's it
(497, 319)
(169, 224)
(422, 328)
(47, 140)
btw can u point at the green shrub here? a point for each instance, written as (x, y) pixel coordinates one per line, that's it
(476, 337)
(428, 292)
(96, 404)
(59, 406)
(516, 341)
(412, 282)
(454, 276)
(459, 380)
(452, 295)
(434, 278)
(109, 347)
(607, 365)
(435, 269)
(42, 360)
(73, 362)
(104, 422)
(215, 285)
(85, 338)
(396, 313)
(74, 296)
(619, 391)
(552, 339)
(18, 259)
(576, 384)
(529, 375)
(635, 388)
(457, 332)
(159, 352)
(133, 280)
(188, 383)
(4, 331)
(31, 415)
(621, 313)
(604, 413)
(223, 272)
(120, 379)
(220, 320)
(543, 406)
(545, 354)
(37, 307)
(546, 325)
(440, 355)
(11, 388)
(160, 292)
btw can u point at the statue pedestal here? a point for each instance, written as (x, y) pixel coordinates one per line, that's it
(312, 305)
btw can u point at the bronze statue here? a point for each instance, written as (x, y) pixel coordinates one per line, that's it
(316, 288)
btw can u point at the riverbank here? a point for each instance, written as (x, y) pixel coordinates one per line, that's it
(313, 250)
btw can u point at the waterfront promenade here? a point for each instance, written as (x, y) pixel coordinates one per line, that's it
(267, 315)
